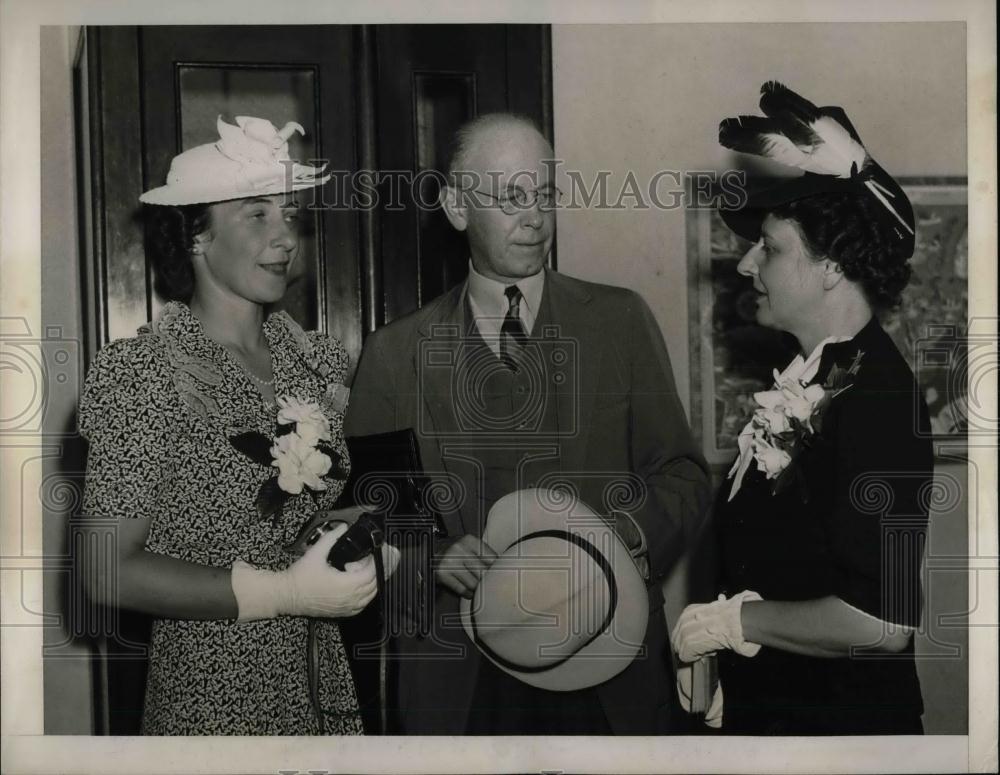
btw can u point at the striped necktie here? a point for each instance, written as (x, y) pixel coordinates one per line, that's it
(512, 333)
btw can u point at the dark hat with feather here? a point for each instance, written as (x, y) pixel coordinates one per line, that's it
(824, 144)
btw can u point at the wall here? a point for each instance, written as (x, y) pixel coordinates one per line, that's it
(645, 98)
(67, 681)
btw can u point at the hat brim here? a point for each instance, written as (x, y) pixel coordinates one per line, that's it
(521, 513)
(181, 194)
(763, 196)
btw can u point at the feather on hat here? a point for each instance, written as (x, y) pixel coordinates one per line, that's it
(821, 142)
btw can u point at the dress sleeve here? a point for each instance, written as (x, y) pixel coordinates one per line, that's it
(124, 418)
(329, 359)
(878, 525)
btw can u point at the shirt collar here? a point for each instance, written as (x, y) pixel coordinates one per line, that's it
(844, 351)
(488, 300)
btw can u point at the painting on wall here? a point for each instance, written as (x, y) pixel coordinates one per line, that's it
(732, 357)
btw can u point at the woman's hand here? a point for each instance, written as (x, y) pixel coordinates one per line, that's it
(310, 587)
(704, 628)
(687, 675)
(825, 627)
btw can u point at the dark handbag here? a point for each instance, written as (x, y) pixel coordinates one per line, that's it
(386, 473)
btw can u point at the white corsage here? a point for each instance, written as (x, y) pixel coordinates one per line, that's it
(788, 418)
(301, 451)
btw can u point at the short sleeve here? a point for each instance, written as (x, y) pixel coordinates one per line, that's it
(124, 418)
(879, 521)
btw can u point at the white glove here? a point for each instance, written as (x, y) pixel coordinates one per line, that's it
(704, 628)
(713, 716)
(309, 587)
(686, 676)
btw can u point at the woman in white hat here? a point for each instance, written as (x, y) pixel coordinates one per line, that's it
(823, 521)
(214, 435)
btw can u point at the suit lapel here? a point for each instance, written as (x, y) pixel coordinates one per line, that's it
(438, 349)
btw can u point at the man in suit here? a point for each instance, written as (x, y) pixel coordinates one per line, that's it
(524, 377)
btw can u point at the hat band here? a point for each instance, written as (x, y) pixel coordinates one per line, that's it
(602, 563)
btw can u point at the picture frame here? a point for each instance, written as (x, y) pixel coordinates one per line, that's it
(732, 357)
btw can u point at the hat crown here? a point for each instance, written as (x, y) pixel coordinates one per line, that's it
(564, 605)
(255, 140)
(250, 158)
(541, 601)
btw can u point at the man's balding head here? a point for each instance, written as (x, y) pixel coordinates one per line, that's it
(467, 145)
(499, 158)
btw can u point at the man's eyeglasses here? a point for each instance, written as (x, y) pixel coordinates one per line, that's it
(518, 199)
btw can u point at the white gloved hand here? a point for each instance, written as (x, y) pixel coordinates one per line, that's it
(713, 716)
(685, 686)
(309, 587)
(704, 628)
(390, 561)
(687, 674)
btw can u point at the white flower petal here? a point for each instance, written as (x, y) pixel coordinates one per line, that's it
(290, 483)
(768, 399)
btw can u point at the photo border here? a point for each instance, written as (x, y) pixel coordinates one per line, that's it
(25, 749)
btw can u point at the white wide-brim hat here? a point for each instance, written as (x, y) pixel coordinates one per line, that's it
(250, 159)
(564, 606)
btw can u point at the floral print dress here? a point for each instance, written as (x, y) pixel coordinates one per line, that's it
(158, 410)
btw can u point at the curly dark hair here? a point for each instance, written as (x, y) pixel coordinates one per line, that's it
(170, 234)
(847, 229)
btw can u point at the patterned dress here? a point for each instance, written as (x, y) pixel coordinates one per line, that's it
(158, 410)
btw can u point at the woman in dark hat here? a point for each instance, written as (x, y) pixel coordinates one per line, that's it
(823, 520)
(214, 436)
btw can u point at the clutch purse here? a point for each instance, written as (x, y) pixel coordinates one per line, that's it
(387, 474)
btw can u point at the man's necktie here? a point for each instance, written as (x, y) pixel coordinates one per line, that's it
(512, 334)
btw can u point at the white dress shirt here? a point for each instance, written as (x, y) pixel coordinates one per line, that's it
(489, 304)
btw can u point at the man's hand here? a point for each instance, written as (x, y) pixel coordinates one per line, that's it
(631, 535)
(460, 564)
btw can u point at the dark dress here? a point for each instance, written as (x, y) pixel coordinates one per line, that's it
(158, 410)
(860, 536)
